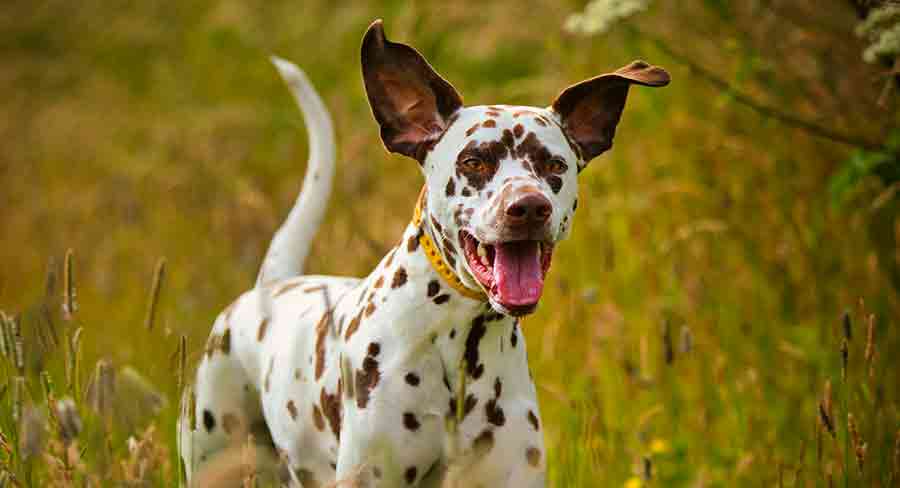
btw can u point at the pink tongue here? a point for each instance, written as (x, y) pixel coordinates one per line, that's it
(517, 273)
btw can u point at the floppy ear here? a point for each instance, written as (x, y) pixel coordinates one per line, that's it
(590, 110)
(410, 101)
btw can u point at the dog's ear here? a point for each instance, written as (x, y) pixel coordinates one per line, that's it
(590, 110)
(411, 102)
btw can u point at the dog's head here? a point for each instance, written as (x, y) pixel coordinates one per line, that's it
(501, 180)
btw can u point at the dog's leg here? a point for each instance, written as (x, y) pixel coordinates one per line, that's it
(225, 402)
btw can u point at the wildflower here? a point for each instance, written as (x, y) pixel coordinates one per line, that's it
(600, 15)
(659, 446)
(634, 482)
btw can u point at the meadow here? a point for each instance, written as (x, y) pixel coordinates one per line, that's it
(725, 312)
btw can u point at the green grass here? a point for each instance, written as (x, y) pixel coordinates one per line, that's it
(138, 131)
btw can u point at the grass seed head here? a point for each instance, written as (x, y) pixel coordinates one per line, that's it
(826, 420)
(859, 446)
(102, 388)
(67, 415)
(687, 339)
(848, 326)
(155, 288)
(845, 358)
(870, 339)
(69, 304)
(32, 430)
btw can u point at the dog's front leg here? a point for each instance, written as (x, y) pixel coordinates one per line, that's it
(391, 445)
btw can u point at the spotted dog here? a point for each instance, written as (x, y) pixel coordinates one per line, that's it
(347, 376)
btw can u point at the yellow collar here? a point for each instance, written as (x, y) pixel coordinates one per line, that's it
(435, 258)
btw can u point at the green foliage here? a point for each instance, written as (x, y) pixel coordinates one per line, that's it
(884, 165)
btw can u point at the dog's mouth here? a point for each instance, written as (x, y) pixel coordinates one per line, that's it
(512, 273)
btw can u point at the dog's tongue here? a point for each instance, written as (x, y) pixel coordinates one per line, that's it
(517, 273)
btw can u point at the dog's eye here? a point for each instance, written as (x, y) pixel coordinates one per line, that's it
(475, 165)
(556, 166)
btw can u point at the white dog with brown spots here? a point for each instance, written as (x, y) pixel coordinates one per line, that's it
(348, 376)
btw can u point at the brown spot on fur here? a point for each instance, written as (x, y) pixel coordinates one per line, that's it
(410, 474)
(437, 225)
(313, 289)
(433, 288)
(390, 258)
(540, 121)
(292, 409)
(457, 216)
(494, 413)
(441, 299)
(490, 124)
(533, 455)
(318, 420)
(540, 158)
(374, 349)
(410, 421)
(466, 192)
(533, 420)
(379, 282)
(331, 407)
(471, 130)
(412, 243)
(353, 326)
(451, 187)
(367, 378)
(225, 344)
(448, 246)
(267, 382)
(468, 405)
(491, 113)
(555, 183)
(370, 309)
(263, 327)
(518, 130)
(209, 422)
(508, 140)
(321, 333)
(484, 442)
(471, 352)
(492, 410)
(489, 152)
(285, 288)
(399, 278)
(412, 379)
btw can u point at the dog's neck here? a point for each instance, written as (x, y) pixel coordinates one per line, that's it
(431, 311)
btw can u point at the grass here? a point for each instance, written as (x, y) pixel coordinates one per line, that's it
(692, 327)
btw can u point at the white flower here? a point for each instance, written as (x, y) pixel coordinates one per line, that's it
(600, 15)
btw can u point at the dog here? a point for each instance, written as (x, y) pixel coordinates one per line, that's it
(347, 376)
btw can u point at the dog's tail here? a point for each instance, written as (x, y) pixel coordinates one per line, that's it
(290, 246)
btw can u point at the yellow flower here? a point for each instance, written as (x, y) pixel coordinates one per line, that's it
(634, 482)
(659, 446)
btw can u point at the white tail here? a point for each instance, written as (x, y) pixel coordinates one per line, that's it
(291, 243)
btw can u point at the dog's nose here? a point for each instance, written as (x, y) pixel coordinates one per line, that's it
(532, 208)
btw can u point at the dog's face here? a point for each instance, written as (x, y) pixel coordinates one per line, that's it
(501, 187)
(501, 181)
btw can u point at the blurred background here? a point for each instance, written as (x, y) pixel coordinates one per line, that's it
(690, 323)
